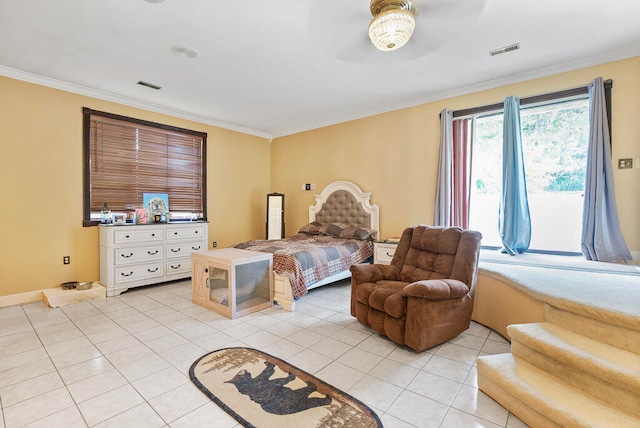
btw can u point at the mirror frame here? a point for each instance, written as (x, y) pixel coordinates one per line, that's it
(270, 219)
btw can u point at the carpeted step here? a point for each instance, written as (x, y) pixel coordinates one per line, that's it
(603, 371)
(540, 399)
(612, 334)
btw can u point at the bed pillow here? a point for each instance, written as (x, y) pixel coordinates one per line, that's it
(341, 230)
(313, 228)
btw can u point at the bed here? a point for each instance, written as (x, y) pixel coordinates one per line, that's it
(341, 229)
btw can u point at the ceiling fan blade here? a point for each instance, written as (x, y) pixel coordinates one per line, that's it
(337, 27)
(340, 28)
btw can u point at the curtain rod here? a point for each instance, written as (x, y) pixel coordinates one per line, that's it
(581, 90)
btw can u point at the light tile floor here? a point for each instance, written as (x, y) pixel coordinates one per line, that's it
(123, 361)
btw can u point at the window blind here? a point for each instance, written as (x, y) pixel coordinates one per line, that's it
(126, 157)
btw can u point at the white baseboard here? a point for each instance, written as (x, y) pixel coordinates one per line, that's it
(54, 297)
(20, 298)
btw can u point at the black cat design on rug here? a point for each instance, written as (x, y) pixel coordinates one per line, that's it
(263, 391)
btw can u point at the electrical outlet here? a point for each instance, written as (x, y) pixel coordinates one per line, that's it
(66, 260)
(215, 244)
(625, 163)
(636, 162)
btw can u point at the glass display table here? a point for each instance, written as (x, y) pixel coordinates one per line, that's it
(231, 281)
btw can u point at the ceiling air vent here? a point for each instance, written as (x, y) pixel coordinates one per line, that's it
(149, 85)
(185, 51)
(505, 49)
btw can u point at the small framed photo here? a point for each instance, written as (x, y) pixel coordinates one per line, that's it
(119, 218)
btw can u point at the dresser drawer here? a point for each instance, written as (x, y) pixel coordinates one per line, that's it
(136, 273)
(138, 235)
(184, 249)
(138, 254)
(178, 266)
(187, 232)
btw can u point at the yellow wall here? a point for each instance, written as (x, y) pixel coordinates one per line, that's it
(394, 155)
(41, 185)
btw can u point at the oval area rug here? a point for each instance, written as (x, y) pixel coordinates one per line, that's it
(262, 391)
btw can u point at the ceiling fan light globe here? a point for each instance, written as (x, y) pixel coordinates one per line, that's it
(391, 29)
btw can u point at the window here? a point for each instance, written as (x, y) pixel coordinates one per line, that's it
(554, 140)
(126, 157)
(555, 133)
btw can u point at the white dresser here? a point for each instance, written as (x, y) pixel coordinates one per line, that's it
(135, 255)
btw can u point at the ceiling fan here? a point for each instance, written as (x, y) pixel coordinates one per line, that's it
(342, 28)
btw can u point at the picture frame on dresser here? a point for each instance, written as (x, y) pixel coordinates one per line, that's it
(137, 255)
(119, 218)
(156, 204)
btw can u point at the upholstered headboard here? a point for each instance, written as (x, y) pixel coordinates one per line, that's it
(343, 201)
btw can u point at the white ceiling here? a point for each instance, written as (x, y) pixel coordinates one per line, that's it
(277, 67)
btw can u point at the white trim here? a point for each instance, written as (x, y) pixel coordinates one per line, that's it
(20, 298)
(128, 101)
(477, 87)
(54, 297)
(407, 103)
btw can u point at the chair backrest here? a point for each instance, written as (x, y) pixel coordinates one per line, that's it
(426, 252)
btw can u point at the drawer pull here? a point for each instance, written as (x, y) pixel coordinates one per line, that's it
(152, 270)
(126, 274)
(173, 250)
(175, 233)
(125, 256)
(175, 267)
(152, 253)
(390, 255)
(196, 232)
(196, 248)
(126, 236)
(153, 234)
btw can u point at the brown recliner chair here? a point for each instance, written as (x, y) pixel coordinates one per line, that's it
(425, 296)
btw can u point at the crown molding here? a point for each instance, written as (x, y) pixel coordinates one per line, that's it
(482, 86)
(128, 101)
(412, 102)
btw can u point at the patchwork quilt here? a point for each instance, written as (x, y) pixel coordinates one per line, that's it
(307, 259)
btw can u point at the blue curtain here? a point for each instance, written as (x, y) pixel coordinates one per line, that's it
(601, 236)
(514, 220)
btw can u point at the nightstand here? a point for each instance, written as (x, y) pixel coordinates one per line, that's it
(383, 252)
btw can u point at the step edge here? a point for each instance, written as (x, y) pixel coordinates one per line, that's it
(623, 365)
(564, 394)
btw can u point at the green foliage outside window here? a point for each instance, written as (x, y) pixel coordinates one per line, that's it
(554, 139)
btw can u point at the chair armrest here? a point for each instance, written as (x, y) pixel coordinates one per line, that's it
(436, 289)
(373, 273)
